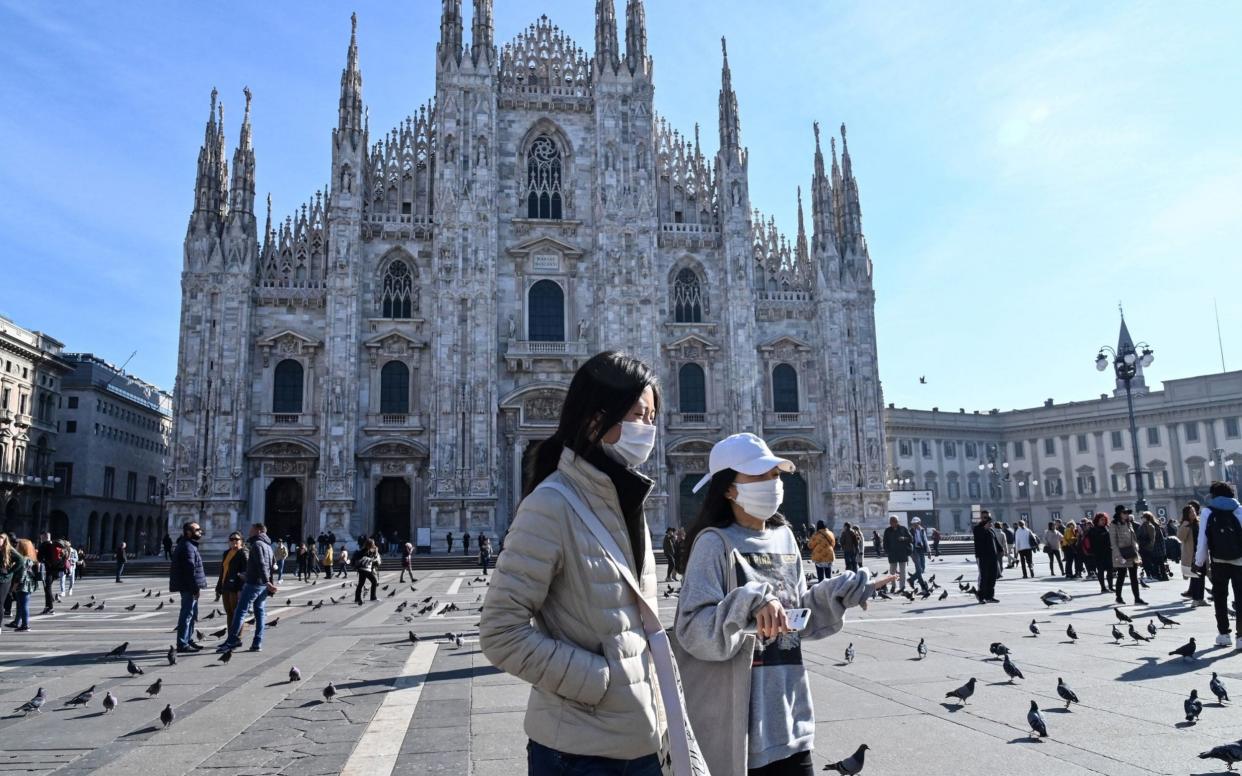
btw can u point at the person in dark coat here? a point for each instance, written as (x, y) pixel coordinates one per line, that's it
(989, 554)
(898, 544)
(1101, 549)
(186, 576)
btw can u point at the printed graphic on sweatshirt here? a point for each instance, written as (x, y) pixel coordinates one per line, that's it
(780, 570)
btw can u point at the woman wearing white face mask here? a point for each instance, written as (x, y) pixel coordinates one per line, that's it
(593, 703)
(747, 693)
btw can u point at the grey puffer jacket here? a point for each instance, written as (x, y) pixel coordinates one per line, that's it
(559, 615)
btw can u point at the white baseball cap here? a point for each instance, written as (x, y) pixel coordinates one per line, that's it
(745, 453)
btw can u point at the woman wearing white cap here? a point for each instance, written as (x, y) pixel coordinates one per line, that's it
(747, 692)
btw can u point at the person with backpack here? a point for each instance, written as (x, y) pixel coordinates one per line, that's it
(11, 564)
(823, 546)
(1025, 543)
(121, 557)
(1220, 541)
(282, 554)
(51, 557)
(327, 562)
(25, 583)
(367, 564)
(71, 569)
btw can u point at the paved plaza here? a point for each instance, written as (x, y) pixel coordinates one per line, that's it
(436, 708)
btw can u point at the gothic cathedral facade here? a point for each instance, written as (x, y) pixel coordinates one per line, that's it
(383, 358)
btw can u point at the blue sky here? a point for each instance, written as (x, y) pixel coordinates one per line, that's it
(1024, 166)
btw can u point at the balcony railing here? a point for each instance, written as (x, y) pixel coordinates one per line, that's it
(396, 420)
(703, 420)
(287, 420)
(786, 419)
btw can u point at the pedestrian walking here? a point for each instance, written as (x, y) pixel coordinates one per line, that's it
(1124, 543)
(12, 565)
(919, 550)
(823, 550)
(407, 562)
(1151, 547)
(577, 545)
(281, 552)
(25, 583)
(232, 579)
(1070, 549)
(1024, 543)
(51, 559)
(989, 553)
(448, 539)
(167, 544)
(312, 563)
(328, 559)
(260, 583)
(1220, 542)
(1052, 546)
(897, 547)
(670, 554)
(748, 693)
(877, 544)
(367, 564)
(186, 578)
(120, 557)
(1011, 550)
(342, 562)
(848, 545)
(485, 551)
(1188, 533)
(70, 576)
(935, 541)
(465, 543)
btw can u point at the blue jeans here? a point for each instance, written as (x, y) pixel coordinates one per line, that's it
(23, 609)
(256, 596)
(280, 570)
(186, 618)
(120, 569)
(542, 761)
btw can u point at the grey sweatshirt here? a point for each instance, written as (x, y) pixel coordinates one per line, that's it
(710, 625)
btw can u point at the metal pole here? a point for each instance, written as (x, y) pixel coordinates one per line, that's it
(1140, 505)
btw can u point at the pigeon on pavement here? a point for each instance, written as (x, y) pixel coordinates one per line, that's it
(295, 675)
(154, 689)
(963, 692)
(1186, 650)
(1193, 707)
(1122, 616)
(852, 765)
(1011, 670)
(83, 698)
(1036, 720)
(225, 657)
(171, 656)
(1166, 622)
(118, 651)
(998, 649)
(35, 704)
(1134, 634)
(1218, 689)
(109, 701)
(413, 637)
(133, 669)
(167, 716)
(922, 649)
(1226, 753)
(849, 653)
(1151, 628)
(943, 595)
(1117, 635)
(329, 692)
(1033, 628)
(1071, 633)
(1067, 695)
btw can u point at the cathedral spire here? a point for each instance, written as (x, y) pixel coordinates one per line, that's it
(351, 85)
(211, 182)
(801, 252)
(607, 54)
(635, 35)
(730, 123)
(850, 208)
(823, 232)
(242, 191)
(450, 32)
(269, 237)
(482, 40)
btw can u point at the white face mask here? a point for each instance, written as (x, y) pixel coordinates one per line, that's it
(635, 445)
(760, 499)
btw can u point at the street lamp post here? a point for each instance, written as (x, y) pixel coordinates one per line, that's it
(998, 472)
(1228, 470)
(1126, 361)
(44, 483)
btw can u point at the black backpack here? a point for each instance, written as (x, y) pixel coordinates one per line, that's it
(1224, 535)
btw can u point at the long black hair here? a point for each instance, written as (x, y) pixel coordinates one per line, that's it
(717, 512)
(602, 393)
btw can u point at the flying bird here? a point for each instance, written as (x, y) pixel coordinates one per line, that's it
(1122, 616)
(963, 692)
(1186, 650)
(1193, 707)
(295, 675)
(167, 716)
(1071, 633)
(133, 668)
(83, 698)
(1067, 695)
(1035, 719)
(35, 704)
(1166, 622)
(154, 689)
(109, 701)
(849, 653)
(1033, 628)
(922, 381)
(1226, 753)
(1218, 689)
(852, 765)
(1011, 670)
(329, 692)
(922, 649)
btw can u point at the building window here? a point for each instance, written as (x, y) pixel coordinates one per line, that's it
(1231, 428)
(1160, 479)
(1053, 486)
(689, 303)
(904, 448)
(71, 427)
(1116, 440)
(1081, 440)
(972, 450)
(689, 502)
(1019, 450)
(131, 486)
(394, 388)
(1050, 447)
(543, 179)
(109, 483)
(1120, 482)
(784, 389)
(1153, 437)
(1086, 484)
(398, 291)
(1192, 432)
(972, 488)
(925, 448)
(287, 388)
(546, 315)
(65, 472)
(950, 449)
(692, 388)
(955, 490)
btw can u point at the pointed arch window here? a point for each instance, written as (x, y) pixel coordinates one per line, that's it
(543, 180)
(397, 291)
(546, 310)
(689, 303)
(784, 389)
(692, 388)
(287, 388)
(395, 388)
